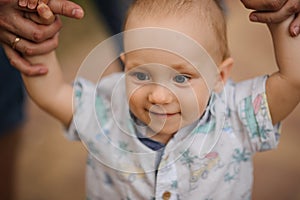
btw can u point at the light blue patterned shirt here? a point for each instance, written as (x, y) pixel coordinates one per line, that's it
(208, 160)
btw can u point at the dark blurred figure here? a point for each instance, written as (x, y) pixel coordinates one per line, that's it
(11, 96)
(11, 118)
(113, 12)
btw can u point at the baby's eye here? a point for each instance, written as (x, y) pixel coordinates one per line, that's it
(141, 76)
(181, 78)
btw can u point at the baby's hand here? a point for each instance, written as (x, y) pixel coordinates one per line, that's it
(31, 4)
(38, 11)
(44, 14)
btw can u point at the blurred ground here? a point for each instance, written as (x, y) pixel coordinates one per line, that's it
(46, 166)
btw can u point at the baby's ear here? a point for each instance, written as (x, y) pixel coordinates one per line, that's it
(224, 73)
(123, 58)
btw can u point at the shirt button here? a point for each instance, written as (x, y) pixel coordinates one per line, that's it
(166, 195)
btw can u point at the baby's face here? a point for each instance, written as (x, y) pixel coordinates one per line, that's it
(164, 91)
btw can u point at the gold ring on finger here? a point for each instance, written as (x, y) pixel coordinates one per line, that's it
(15, 42)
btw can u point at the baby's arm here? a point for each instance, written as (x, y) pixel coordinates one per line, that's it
(283, 87)
(50, 91)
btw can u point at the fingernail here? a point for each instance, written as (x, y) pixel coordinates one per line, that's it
(253, 18)
(77, 13)
(42, 7)
(22, 3)
(31, 6)
(44, 11)
(296, 30)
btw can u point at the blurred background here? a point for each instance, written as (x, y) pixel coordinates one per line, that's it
(46, 166)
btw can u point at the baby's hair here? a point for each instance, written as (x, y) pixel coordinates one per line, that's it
(211, 11)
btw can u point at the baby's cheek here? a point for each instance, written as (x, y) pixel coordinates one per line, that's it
(190, 111)
(193, 107)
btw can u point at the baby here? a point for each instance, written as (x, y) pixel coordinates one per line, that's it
(172, 126)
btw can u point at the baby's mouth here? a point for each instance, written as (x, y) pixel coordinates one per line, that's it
(162, 114)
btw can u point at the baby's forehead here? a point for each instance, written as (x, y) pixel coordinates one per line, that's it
(199, 19)
(176, 28)
(159, 44)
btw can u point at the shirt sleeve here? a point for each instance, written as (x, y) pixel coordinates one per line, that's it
(83, 101)
(92, 105)
(254, 114)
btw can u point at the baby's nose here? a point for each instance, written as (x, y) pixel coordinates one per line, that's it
(160, 95)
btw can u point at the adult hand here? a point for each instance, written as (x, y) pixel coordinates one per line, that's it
(13, 22)
(275, 11)
(61, 7)
(43, 16)
(19, 62)
(35, 38)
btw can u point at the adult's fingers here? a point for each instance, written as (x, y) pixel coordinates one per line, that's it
(269, 17)
(291, 7)
(66, 8)
(276, 17)
(22, 64)
(39, 20)
(295, 26)
(264, 5)
(29, 48)
(44, 15)
(28, 29)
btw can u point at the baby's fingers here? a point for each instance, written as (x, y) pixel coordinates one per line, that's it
(295, 26)
(45, 13)
(30, 4)
(43, 16)
(23, 3)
